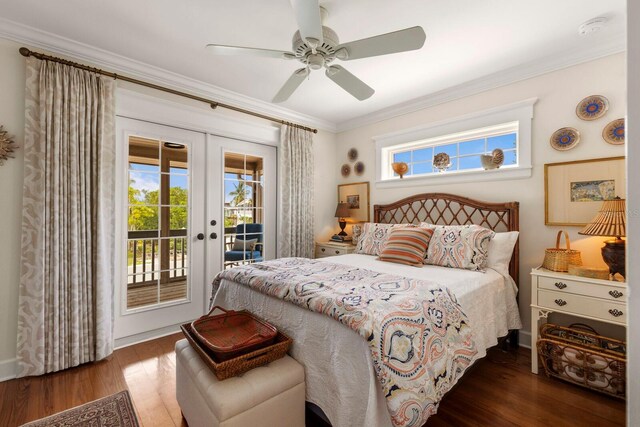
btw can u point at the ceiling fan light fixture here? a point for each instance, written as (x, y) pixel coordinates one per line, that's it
(315, 61)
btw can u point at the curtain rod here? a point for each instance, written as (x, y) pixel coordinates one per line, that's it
(214, 104)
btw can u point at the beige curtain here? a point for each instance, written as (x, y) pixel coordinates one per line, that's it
(296, 193)
(65, 313)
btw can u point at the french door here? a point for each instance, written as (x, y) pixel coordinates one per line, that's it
(191, 204)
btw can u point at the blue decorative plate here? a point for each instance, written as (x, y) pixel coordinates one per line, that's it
(565, 139)
(592, 107)
(613, 133)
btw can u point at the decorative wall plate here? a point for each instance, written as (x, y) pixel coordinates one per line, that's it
(614, 132)
(345, 170)
(565, 139)
(442, 161)
(358, 168)
(352, 155)
(592, 107)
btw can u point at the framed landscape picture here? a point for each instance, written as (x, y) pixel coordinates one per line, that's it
(356, 195)
(574, 191)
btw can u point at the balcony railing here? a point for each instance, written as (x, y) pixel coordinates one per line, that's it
(143, 252)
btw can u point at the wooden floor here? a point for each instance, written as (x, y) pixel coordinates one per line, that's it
(498, 391)
(139, 296)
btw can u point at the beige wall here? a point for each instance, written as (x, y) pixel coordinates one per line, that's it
(12, 117)
(557, 93)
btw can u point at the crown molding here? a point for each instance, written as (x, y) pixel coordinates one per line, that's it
(81, 52)
(502, 78)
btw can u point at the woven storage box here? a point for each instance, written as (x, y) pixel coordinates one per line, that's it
(579, 355)
(224, 369)
(557, 259)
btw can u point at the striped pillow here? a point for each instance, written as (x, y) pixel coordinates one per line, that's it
(407, 245)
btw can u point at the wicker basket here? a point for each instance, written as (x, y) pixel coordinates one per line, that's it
(556, 259)
(241, 364)
(579, 355)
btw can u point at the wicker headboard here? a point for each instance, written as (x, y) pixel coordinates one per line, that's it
(449, 209)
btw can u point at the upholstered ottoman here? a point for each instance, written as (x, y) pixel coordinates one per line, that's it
(271, 395)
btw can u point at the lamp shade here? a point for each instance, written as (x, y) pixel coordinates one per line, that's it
(342, 210)
(610, 221)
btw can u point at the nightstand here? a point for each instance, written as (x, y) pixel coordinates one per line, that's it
(595, 299)
(325, 249)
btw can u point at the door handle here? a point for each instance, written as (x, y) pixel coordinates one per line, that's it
(200, 236)
(213, 235)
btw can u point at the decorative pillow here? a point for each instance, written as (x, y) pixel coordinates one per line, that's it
(459, 246)
(500, 251)
(407, 245)
(373, 236)
(356, 232)
(243, 245)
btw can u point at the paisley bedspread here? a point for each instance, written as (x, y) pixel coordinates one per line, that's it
(419, 337)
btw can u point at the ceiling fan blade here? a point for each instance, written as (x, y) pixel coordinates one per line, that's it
(291, 85)
(398, 41)
(219, 49)
(308, 18)
(349, 82)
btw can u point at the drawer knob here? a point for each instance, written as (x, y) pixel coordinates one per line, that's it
(561, 302)
(615, 312)
(560, 285)
(322, 249)
(337, 252)
(615, 294)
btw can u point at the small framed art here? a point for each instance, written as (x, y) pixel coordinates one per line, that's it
(574, 191)
(357, 196)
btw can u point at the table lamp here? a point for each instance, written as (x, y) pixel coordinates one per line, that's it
(610, 221)
(342, 212)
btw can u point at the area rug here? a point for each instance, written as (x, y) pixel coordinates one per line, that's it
(111, 411)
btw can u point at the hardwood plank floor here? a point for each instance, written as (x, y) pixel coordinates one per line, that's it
(498, 391)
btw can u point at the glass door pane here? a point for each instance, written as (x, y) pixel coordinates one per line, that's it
(158, 201)
(244, 240)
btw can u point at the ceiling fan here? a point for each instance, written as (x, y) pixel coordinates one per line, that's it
(317, 46)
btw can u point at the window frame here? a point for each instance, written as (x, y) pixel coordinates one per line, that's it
(518, 115)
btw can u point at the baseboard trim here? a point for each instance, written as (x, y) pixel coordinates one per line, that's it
(525, 339)
(146, 336)
(8, 369)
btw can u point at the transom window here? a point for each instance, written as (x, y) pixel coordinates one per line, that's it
(464, 150)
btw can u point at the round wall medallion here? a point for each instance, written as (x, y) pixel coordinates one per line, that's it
(592, 107)
(565, 139)
(345, 170)
(358, 168)
(352, 155)
(7, 145)
(613, 133)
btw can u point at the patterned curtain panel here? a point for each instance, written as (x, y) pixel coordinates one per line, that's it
(296, 193)
(65, 314)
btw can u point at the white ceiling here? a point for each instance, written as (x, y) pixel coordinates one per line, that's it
(466, 39)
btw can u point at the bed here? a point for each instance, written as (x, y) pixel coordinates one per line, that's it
(340, 376)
